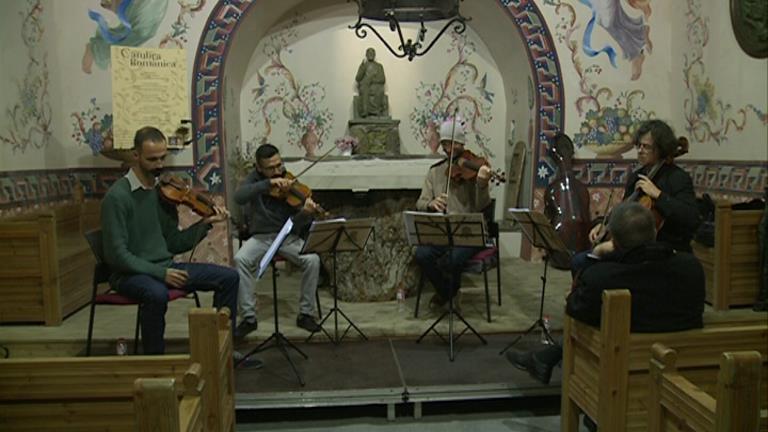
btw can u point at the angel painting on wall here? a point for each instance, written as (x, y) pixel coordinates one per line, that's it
(138, 23)
(630, 33)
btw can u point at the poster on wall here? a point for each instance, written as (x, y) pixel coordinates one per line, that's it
(149, 88)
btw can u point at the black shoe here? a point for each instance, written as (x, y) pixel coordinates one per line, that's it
(250, 362)
(307, 322)
(527, 361)
(245, 327)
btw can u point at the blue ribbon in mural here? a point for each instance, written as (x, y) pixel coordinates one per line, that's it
(587, 40)
(113, 36)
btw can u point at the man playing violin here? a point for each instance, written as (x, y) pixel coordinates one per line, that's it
(141, 237)
(670, 189)
(461, 197)
(266, 214)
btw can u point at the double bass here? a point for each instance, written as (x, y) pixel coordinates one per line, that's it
(566, 203)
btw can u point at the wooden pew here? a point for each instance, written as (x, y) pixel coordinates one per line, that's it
(157, 407)
(96, 393)
(605, 370)
(47, 265)
(732, 266)
(675, 403)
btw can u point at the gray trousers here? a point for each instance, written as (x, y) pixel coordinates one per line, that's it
(247, 262)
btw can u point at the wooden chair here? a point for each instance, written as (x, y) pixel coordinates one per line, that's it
(101, 274)
(480, 263)
(675, 403)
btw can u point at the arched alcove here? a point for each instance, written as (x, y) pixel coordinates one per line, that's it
(233, 30)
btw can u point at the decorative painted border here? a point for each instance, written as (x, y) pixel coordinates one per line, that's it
(29, 188)
(745, 178)
(222, 24)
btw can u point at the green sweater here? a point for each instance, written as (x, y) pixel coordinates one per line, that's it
(140, 234)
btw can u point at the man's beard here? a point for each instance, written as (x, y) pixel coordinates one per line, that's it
(157, 172)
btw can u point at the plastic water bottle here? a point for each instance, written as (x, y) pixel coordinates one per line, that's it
(544, 339)
(400, 300)
(121, 347)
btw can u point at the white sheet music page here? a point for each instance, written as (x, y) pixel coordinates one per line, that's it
(267, 258)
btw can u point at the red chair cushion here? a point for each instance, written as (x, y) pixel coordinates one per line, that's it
(486, 256)
(114, 298)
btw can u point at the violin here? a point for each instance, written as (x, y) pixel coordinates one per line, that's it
(466, 165)
(296, 195)
(176, 191)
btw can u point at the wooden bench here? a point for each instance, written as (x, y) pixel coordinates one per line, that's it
(605, 370)
(47, 265)
(157, 407)
(732, 266)
(676, 404)
(96, 393)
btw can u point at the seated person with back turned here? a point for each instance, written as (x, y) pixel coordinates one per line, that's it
(141, 236)
(667, 286)
(266, 216)
(465, 197)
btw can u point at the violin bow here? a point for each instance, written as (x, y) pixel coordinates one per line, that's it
(450, 160)
(323, 156)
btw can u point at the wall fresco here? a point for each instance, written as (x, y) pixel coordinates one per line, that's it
(708, 117)
(461, 91)
(29, 119)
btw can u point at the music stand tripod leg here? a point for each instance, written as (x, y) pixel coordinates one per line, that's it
(335, 311)
(540, 320)
(277, 339)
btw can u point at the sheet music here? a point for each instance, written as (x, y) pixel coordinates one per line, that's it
(538, 229)
(341, 235)
(267, 258)
(423, 228)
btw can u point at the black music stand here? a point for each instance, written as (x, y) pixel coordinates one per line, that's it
(339, 235)
(277, 339)
(437, 229)
(540, 232)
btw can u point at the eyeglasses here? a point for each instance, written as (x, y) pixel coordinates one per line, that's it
(646, 147)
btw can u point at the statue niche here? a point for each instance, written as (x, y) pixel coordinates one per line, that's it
(371, 124)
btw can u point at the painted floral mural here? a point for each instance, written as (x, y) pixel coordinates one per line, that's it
(280, 96)
(462, 89)
(29, 118)
(708, 118)
(608, 119)
(92, 128)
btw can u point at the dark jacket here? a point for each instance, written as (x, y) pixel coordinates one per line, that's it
(667, 288)
(263, 213)
(676, 204)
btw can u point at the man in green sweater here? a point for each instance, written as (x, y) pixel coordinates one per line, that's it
(141, 237)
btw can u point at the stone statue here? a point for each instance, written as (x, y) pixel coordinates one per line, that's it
(371, 102)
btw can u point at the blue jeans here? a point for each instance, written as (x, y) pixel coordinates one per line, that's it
(581, 261)
(440, 268)
(153, 295)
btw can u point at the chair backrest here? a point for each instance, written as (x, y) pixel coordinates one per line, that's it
(489, 212)
(102, 272)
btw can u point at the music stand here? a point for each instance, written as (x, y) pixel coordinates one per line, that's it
(338, 235)
(437, 229)
(540, 232)
(277, 339)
